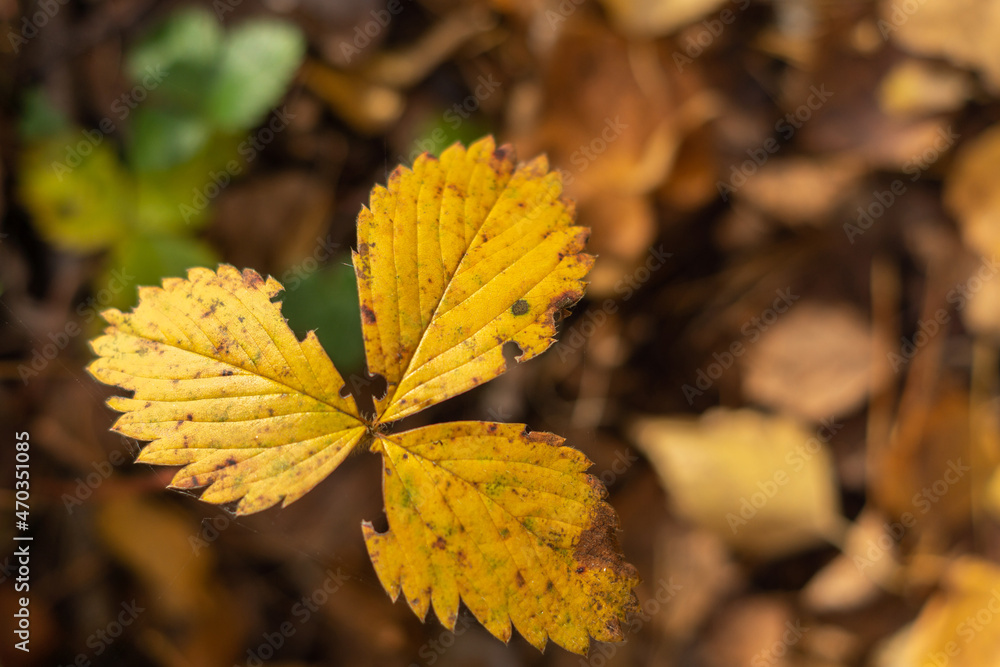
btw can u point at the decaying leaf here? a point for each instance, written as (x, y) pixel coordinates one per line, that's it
(647, 17)
(960, 30)
(456, 258)
(956, 626)
(971, 193)
(816, 362)
(772, 488)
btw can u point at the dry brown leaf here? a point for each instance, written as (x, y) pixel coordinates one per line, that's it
(928, 477)
(853, 579)
(917, 87)
(972, 192)
(764, 484)
(653, 17)
(963, 31)
(799, 191)
(814, 362)
(957, 627)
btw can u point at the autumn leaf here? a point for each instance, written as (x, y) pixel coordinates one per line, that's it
(456, 258)
(223, 388)
(508, 521)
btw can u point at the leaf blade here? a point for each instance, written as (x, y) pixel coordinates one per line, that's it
(223, 387)
(474, 506)
(457, 257)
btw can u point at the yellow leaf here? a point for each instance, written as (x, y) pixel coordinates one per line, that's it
(956, 626)
(457, 257)
(772, 491)
(78, 202)
(223, 387)
(507, 521)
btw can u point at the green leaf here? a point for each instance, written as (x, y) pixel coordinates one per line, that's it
(190, 37)
(162, 139)
(258, 62)
(174, 200)
(147, 259)
(326, 300)
(39, 117)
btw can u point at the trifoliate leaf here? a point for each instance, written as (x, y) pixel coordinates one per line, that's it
(507, 521)
(457, 257)
(223, 387)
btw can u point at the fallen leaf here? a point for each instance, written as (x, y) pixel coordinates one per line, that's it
(916, 87)
(956, 626)
(649, 17)
(815, 362)
(962, 31)
(801, 191)
(771, 484)
(972, 195)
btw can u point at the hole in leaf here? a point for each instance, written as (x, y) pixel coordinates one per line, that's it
(511, 351)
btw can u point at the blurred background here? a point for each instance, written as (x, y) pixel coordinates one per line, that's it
(785, 369)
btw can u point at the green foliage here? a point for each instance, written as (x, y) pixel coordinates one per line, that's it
(326, 300)
(203, 89)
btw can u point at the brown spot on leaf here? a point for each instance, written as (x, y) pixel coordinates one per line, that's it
(367, 314)
(520, 307)
(439, 543)
(252, 278)
(598, 547)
